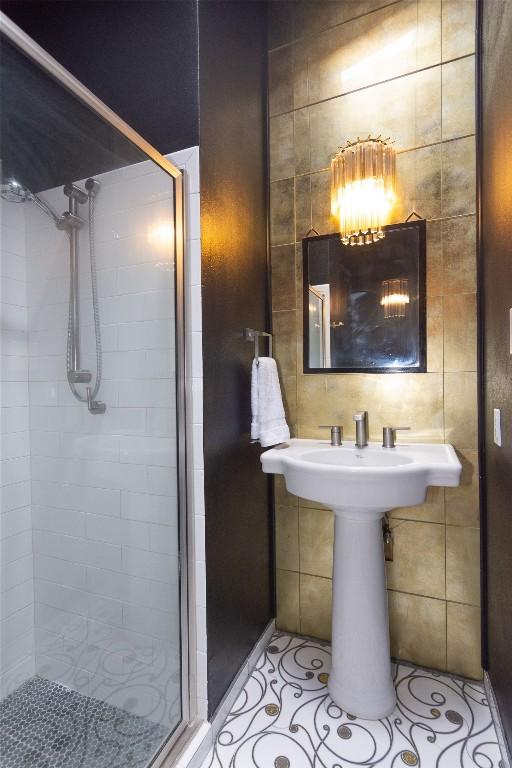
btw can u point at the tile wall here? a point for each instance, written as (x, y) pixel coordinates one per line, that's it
(16, 561)
(402, 69)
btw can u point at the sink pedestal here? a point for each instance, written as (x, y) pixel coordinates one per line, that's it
(360, 682)
(360, 485)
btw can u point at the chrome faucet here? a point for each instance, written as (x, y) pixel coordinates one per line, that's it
(336, 433)
(361, 420)
(389, 436)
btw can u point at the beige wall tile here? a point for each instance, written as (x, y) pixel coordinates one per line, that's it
(281, 495)
(313, 408)
(462, 507)
(300, 75)
(310, 17)
(458, 28)
(418, 629)
(463, 642)
(287, 538)
(459, 254)
(289, 393)
(463, 564)
(387, 42)
(282, 262)
(418, 183)
(282, 212)
(460, 409)
(428, 33)
(418, 564)
(315, 606)
(282, 155)
(285, 342)
(407, 109)
(401, 399)
(321, 218)
(315, 15)
(280, 80)
(460, 329)
(427, 90)
(288, 605)
(303, 220)
(435, 357)
(458, 177)
(307, 503)
(302, 141)
(434, 259)
(280, 24)
(458, 98)
(432, 511)
(316, 533)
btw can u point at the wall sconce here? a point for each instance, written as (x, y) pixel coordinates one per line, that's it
(394, 297)
(363, 189)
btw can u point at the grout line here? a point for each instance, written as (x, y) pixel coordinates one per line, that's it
(405, 151)
(373, 85)
(331, 26)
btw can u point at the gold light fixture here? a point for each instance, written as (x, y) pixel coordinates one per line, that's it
(395, 297)
(363, 189)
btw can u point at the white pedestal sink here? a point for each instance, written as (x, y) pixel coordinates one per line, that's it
(359, 485)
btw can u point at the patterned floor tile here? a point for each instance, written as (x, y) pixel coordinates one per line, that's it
(284, 718)
(46, 725)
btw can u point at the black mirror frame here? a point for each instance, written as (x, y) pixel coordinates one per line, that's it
(420, 225)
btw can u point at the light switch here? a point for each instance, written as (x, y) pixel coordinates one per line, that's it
(497, 426)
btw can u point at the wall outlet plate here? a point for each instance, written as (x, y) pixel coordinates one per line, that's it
(497, 426)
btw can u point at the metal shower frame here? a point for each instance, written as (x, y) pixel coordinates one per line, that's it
(190, 724)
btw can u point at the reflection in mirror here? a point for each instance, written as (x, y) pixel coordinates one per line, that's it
(364, 306)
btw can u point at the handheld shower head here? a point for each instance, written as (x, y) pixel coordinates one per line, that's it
(14, 192)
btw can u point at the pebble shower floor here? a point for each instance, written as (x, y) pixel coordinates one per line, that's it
(284, 718)
(46, 725)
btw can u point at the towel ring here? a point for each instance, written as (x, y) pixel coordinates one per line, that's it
(254, 336)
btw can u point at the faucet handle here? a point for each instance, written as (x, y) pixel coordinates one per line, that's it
(336, 432)
(389, 435)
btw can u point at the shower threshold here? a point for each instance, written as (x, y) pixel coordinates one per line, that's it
(47, 725)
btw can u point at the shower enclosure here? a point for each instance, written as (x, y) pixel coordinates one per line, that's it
(93, 605)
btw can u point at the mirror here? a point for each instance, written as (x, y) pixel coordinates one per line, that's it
(365, 306)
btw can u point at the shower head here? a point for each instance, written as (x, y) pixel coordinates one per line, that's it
(14, 192)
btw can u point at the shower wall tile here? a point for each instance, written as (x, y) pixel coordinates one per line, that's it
(17, 598)
(405, 70)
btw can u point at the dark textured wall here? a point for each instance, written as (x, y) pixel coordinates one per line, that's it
(140, 58)
(497, 282)
(234, 262)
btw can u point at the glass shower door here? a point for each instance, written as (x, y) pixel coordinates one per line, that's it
(93, 645)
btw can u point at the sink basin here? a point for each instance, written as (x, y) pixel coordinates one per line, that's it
(359, 459)
(360, 485)
(371, 478)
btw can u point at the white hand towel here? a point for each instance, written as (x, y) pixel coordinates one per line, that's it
(268, 419)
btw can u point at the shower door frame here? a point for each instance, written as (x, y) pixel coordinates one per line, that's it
(189, 722)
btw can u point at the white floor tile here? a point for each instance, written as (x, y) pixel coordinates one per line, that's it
(284, 718)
